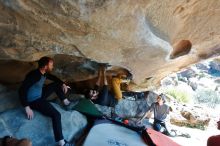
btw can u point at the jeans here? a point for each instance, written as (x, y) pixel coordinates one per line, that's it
(160, 126)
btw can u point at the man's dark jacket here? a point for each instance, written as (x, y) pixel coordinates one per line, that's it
(30, 79)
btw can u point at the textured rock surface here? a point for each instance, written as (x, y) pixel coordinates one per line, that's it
(137, 35)
(181, 48)
(130, 109)
(13, 72)
(39, 130)
(8, 99)
(69, 68)
(123, 108)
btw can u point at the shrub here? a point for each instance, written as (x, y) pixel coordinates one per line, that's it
(179, 95)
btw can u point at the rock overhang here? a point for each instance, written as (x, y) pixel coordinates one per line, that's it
(140, 36)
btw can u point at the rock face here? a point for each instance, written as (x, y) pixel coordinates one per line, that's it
(137, 35)
(39, 130)
(8, 99)
(181, 48)
(130, 109)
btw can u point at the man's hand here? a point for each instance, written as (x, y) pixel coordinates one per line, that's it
(65, 88)
(29, 112)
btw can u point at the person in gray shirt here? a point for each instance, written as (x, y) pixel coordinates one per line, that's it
(160, 111)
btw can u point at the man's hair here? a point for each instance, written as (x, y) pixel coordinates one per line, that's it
(44, 61)
(162, 96)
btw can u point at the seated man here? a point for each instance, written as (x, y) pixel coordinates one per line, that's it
(160, 111)
(214, 140)
(11, 141)
(33, 94)
(101, 95)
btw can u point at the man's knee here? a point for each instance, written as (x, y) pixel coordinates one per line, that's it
(156, 126)
(57, 85)
(54, 86)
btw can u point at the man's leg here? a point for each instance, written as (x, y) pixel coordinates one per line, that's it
(53, 87)
(103, 97)
(105, 82)
(48, 110)
(166, 132)
(171, 133)
(161, 127)
(98, 83)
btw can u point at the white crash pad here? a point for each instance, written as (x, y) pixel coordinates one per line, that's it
(107, 134)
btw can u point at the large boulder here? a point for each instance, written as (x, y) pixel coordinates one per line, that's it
(202, 66)
(170, 80)
(193, 82)
(39, 130)
(128, 108)
(137, 35)
(188, 73)
(214, 68)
